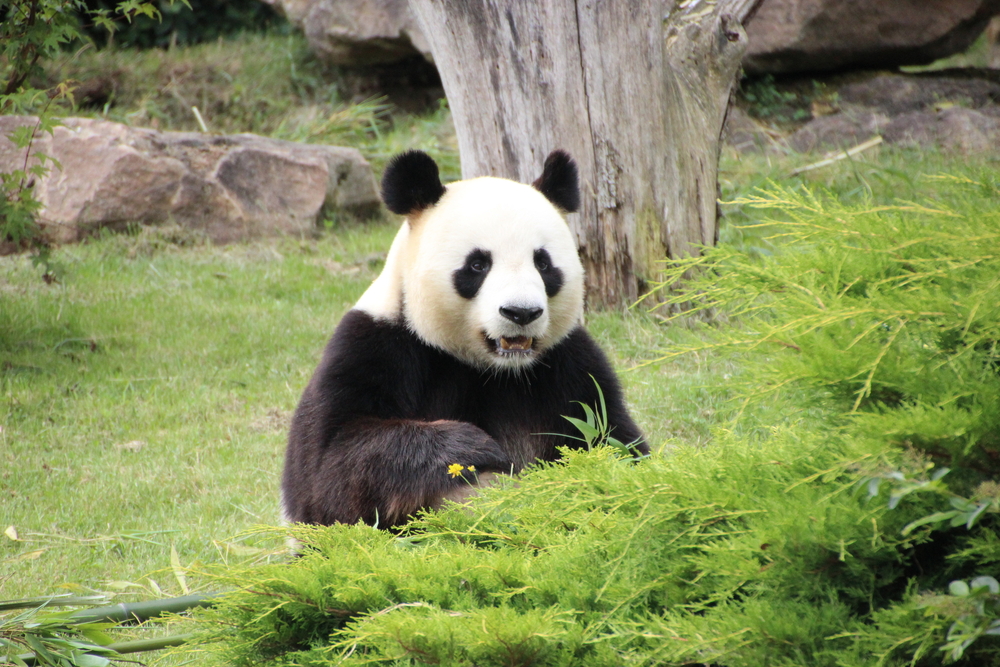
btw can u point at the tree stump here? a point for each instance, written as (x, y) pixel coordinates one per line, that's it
(635, 90)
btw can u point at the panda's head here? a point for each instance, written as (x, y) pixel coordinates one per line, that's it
(485, 269)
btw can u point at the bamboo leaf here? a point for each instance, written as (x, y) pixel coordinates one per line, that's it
(41, 651)
(96, 636)
(590, 433)
(90, 660)
(175, 565)
(937, 517)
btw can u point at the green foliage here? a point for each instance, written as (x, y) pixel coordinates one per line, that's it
(768, 100)
(888, 318)
(30, 30)
(200, 21)
(596, 561)
(856, 526)
(256, 83)
(40, 636)
(349, 124)
(889, 314)
(268, 84)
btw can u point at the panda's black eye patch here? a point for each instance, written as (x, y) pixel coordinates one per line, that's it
(468, 279)
(551, 276)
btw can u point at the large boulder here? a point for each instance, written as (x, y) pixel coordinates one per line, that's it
(894, 94)
(950, 110)
(842, 130)
(357, 32)
(954, 129)
(228, 187)
(815, 35)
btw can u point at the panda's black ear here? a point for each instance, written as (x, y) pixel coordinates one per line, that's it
(559, 181)
(411, 183)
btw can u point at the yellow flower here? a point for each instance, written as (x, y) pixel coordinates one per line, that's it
(455, 469)
(472, 468)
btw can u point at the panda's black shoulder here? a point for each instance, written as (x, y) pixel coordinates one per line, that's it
(360, 338)
(372, 366)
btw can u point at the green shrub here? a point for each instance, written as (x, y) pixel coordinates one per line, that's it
(193, 23)
(848, 518)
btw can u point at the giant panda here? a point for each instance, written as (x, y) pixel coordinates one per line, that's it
(467, 349)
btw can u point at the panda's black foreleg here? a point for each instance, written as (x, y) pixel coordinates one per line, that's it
(387, 469)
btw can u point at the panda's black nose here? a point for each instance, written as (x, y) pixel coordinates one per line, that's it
(519, 315)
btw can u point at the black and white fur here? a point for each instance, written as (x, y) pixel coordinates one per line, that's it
(468, 348)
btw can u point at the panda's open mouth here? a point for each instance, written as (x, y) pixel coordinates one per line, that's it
(511, 345)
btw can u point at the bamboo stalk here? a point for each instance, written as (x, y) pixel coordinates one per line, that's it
(137, 612)
(52, 601)
(843, 155)
(131, 612)
(156, 644)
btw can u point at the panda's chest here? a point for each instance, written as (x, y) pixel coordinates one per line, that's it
(513, 410)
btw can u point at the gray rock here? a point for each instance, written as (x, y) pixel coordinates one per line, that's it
(842, 130)
(901, 93)
(745, 134)
(955, 129)
(823, 35)
(228, 187)
(357, 32)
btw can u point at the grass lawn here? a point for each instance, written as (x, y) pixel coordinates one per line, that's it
(145, 398)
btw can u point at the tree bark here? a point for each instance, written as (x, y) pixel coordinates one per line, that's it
(635, 90)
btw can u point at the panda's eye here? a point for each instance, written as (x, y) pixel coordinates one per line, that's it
(478, 261)
(551, 275)
(542, 261)
(468, 279)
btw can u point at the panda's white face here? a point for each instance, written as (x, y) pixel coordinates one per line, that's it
(489, 274)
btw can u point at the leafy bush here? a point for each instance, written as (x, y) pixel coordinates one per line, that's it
(849, 518)
(787, 102)
(201, 21)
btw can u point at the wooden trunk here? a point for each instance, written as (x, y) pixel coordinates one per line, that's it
(635, 90)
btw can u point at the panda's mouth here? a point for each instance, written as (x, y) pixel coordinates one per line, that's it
(511, 345)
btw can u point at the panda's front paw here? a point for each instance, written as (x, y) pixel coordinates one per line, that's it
(459, 494)
(465, 450)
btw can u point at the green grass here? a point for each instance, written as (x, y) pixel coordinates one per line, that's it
(145, 398)
(251, 84)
